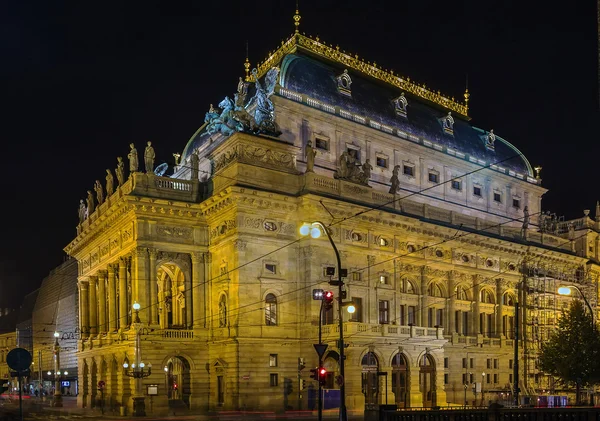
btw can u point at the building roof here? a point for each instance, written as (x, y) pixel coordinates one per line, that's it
(26, 309)
(60, 283)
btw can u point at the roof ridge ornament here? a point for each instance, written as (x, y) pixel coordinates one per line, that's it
(297, 18)
(447, 123)
(344, 81)
(489, 140)
(400, 105)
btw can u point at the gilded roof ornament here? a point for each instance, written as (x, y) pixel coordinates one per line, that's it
(297, 19)
(299, 41)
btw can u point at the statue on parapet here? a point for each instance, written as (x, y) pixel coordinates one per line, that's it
(395, 180)
(264, 114)
(311, 153)
(525, 225)
(82, 211)
(99, 192)
(194, 162)
(90, 203)
(133, 159)
(120, 171)
(350, 169)
(149, 156)
(110, 183)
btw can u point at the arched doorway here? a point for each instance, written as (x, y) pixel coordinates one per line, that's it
(400, 380)
(171, 296)
(370, 381)
(177, 378)
(427, 384)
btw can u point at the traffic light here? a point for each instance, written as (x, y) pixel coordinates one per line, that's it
(317, 294)
(322, 376)
(314, 374)
(328, 300)
(302, 384)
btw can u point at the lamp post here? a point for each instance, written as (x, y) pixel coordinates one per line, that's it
(566, 290)
(138, 369)
(57, 401)
(314, 230)
(482, 392)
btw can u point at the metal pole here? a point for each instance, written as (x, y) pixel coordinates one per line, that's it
(516, 356)
(20, 396)
(40, 386)
(320, 397)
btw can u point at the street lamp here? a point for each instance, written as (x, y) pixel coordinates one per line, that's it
(57, 401)
(566, 290)
(138, 370)
(482, 392)
(315, 230)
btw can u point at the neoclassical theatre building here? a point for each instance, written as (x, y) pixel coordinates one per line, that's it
(439, 225)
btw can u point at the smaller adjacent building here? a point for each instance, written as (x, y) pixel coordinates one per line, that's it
(8, 341)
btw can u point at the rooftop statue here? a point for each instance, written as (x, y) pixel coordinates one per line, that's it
(310, 156)
(82, 211)
(194, 161)
(99, 192)
(90, 203)
(133, 159)
(110, 182)
(149, 156)
(161, 169)
(395, 180)
(120, 171)
(232, 115)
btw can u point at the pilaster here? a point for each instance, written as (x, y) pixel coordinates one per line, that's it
(152, 253)
(84, 306)
(101, 302)
(198, 285)
(112, 299)
(140, 281)
(451, 304)
(123, 322)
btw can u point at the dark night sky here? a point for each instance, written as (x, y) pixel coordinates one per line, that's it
(81, 80)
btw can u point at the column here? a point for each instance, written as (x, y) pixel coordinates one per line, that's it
(189, 307)
(139, 286)
(102, 301)
(198, 296)
(93, 305)
(423, 304)
(112, 299)
(451, 304)
(499, 307)
(85, 309)
(154, 303)
(123, 293)
(476, 299)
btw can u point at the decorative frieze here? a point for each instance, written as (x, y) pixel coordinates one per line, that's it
(174, 233)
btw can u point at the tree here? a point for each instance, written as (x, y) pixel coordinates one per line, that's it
(572, 352)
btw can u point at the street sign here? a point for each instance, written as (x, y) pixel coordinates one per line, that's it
(320, 348)
(19, 359)
(22, 373)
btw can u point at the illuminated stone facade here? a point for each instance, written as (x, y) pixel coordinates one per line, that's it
(224, 280)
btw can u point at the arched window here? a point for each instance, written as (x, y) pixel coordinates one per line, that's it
(270, 310)
(508, 300)
(486, 297)
(461, 293)
(407, 287)
(434, 290)
(223, 311)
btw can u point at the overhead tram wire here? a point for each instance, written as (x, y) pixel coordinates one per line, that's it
(370, 208)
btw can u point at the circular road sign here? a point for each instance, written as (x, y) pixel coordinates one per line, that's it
(19, 359)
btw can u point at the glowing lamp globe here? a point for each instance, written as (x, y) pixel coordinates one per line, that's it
(315, 232)
(564, 291)
(56, 334)
(351, 309)
(125, 365)
(142, 365)
(304, 229)
(136, 306)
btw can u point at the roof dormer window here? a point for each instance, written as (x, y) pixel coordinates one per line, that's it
(448, 124)
(343, 83)
(400, 105)
(489, 140)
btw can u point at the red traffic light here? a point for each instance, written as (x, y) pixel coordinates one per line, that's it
(322, 372)
(322, 376)
(328, 296)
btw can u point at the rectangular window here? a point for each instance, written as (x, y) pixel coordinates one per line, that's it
(510, 379)
(411, 314)
(495, 378)
(495, 363)
(402, 318)
(327, 316)
(490, 328)
(273, 379)
(477, 191)
(456, 185)
(272, 360)
(383, 279)
(471, 362)
(489, 363)
(516, 203)
(445, 362)
(465, 323)
(464, 363)
(497, 197)
(439, 317)
(488, 378)
(271, 268)
(321, 143)
(446, 378)
(357, 315)
(408, 170)
(357, 276)
(384, 312)
(510, 364)
(381, 162)
(354, 153)
(434, 177)
(471, 378)
(464, 378)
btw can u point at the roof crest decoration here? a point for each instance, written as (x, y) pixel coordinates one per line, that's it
(298, 40)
